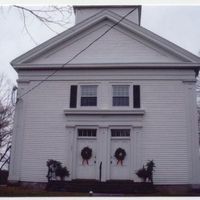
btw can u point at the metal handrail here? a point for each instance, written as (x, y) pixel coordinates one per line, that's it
(100, 169)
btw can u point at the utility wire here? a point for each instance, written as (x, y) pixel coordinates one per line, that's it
(75, 56)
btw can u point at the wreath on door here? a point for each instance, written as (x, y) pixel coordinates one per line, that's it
(120, 155)
(86, 154)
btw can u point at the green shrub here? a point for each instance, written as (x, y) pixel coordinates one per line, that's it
(146, 172)
(55, 169)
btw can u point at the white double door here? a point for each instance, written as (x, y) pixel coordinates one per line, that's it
(93, 168)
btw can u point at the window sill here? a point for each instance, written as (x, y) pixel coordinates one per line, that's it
(104, 112)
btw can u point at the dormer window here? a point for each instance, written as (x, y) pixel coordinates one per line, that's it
(120, 95)
(88, 95)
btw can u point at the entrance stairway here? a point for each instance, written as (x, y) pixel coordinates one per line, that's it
(114, 187)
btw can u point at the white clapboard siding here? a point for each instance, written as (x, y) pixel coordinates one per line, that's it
(164, 135)
(45, 132)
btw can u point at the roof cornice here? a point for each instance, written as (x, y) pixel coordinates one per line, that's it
(110, 66)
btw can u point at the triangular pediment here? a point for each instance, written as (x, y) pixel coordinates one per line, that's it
(124, 43)
(116, 46)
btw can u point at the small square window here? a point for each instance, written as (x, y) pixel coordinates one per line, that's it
(88, 95)
(120, 95)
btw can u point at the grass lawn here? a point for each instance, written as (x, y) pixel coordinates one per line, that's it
(17, 191)
(13, 191)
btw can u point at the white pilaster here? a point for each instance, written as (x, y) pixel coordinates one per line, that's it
(70, 150)
(103, 152)
(192, 131)
(15, 167)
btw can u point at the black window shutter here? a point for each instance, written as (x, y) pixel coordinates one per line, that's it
(136, 96)
(73, 96)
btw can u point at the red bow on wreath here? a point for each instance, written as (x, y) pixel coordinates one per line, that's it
(84, 161)
(120, 154)
(120, 161)
(86, 154)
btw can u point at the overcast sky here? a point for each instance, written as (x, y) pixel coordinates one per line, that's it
(179, 24)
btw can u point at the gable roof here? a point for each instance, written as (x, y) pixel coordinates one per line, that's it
(188, 58)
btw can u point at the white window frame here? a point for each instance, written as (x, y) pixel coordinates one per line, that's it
(130, 95)
(79, 96)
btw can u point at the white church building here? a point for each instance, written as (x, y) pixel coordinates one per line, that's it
(125, 87)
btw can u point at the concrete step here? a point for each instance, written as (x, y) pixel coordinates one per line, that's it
(114, 186)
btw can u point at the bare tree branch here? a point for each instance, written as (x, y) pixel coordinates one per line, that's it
(2, 157)
(25, 27)
(5, 162)
(48, 16)
(6, 120)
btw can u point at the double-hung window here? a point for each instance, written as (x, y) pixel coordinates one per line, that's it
(88, 95)
(120, 95)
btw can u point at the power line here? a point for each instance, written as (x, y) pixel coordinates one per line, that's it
(75, 56)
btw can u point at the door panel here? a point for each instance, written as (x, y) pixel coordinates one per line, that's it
(86, 170)
(118, 170)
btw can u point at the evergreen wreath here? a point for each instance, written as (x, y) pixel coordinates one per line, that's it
(120, 154)
(86, 154)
